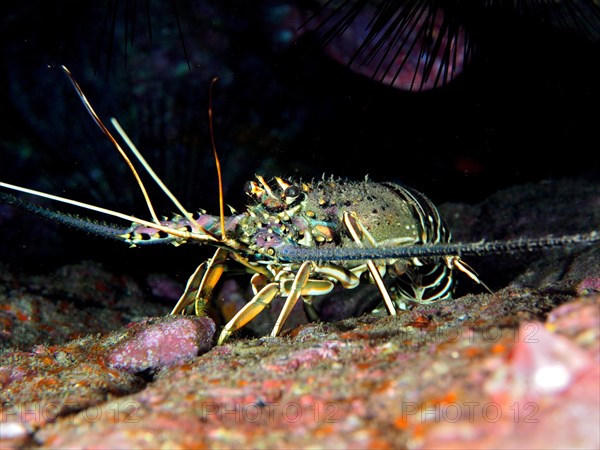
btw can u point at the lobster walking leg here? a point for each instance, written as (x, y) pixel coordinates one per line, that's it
(300, 281)
(455, 261)
(201, 284)
(294, 288)
(250, 310)
(352, 223)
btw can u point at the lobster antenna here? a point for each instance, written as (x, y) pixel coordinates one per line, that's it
(217, 162)
(57, 216)
(153, 174)
(98, 121)
(292, 253)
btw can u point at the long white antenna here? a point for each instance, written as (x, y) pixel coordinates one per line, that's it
(152, 173)
(110, 212)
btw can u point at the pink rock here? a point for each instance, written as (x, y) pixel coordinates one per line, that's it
(545, 394)
(163, 286)
(168, 342)
(542, 363)
(579, 316)
(588, 286)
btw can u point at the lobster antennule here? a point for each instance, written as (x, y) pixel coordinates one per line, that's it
(143, 231)
(135, 152)
(151, 172)
(293, 253)
(98, 121)
(217, 162)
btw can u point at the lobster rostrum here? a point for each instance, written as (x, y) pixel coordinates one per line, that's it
(300, 239)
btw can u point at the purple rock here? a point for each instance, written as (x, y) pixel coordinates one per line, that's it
(168, 342)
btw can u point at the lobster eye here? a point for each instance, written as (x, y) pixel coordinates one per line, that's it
(291, 192)
(253, 189)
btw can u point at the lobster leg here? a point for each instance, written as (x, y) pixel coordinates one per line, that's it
(351, 221)
(345, 277)
(300, 281)
(294, 288)
(250, 310)
(201, 284)
(455, 261)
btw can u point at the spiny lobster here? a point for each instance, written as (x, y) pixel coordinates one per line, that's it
(300, 239)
